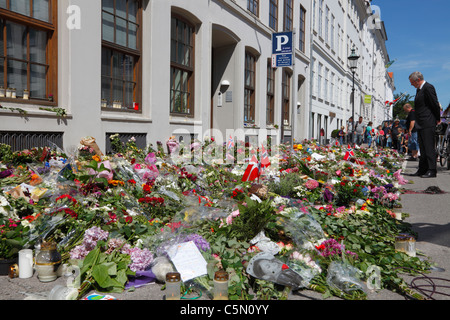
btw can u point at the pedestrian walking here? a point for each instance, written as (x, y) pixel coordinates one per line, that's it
(379, 136)
(341, 135)
(359, 131)
(427, 109)
(350, 131)
(395, 134)
(413, 145)
(368, 134)
(401, 140)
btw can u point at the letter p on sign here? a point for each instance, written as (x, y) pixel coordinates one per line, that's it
(282, 42)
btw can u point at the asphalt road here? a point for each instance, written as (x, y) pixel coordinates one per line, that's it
(429, 216)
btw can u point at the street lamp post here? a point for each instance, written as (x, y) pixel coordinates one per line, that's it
(353, 61)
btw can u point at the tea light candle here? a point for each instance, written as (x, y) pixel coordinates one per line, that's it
(25, 263)
(221, 285)
(173, 286)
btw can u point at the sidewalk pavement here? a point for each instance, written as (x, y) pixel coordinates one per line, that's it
(429, 215)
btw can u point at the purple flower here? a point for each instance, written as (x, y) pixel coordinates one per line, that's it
(6, 173)
(199, 241)
(140, 258)
(331, 248)
(327, 195)
(91, 237)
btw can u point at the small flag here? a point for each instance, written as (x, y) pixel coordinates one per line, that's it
(230, 143)
(265, 162)
(349, 153)
(252, 170)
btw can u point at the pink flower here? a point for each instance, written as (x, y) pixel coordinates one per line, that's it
(150, 158)
(399, 177)
(311, 184)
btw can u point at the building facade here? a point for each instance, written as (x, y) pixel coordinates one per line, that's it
(338, 26)
(152, 69)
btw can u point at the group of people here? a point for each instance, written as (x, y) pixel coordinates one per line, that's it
(416, 138)
(388, 135)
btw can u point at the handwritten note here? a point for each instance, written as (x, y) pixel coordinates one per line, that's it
(188, 260)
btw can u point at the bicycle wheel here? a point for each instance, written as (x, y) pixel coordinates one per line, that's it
(443, 155)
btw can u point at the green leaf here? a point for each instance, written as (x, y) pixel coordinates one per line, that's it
(90, 260)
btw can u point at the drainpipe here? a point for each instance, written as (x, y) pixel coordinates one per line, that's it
(309, 133)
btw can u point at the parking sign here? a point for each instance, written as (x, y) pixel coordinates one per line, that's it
(282, 49)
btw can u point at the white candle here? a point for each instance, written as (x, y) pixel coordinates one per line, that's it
(25, 263)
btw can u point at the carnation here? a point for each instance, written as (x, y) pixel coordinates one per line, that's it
(311, 184)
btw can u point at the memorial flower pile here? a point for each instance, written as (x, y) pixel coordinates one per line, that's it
(117, 214)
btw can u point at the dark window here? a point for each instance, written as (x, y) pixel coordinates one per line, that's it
(253, 6)
(249, 95)
(273, 14)
(302, 28)
(270, 114)
(182, 67)
(286, 94)
(28, 50)
(121, 55)
(288, 15)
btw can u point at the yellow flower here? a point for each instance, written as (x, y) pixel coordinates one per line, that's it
(96, 158)
(116, 182)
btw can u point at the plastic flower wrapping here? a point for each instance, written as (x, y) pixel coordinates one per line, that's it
(311, 216)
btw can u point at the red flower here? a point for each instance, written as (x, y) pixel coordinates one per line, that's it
(128, 219)
(321, 247)
(66, 196)
(131, 181)
(284, 267)
(147, 188)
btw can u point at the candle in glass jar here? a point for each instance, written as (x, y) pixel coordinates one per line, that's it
(13, 93)
(221, 285)
(173, 286)
(25, 263)
(26, 94)
(406, 243)
(2, 92)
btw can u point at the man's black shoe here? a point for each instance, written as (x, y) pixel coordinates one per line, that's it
(417, 174)
(429, 174)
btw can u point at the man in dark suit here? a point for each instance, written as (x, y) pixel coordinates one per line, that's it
(428, 116)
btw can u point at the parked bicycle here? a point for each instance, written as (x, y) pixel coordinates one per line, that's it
(443, 144)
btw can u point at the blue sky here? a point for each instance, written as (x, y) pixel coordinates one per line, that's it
(418, 34)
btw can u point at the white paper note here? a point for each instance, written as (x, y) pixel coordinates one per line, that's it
(188, 260)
